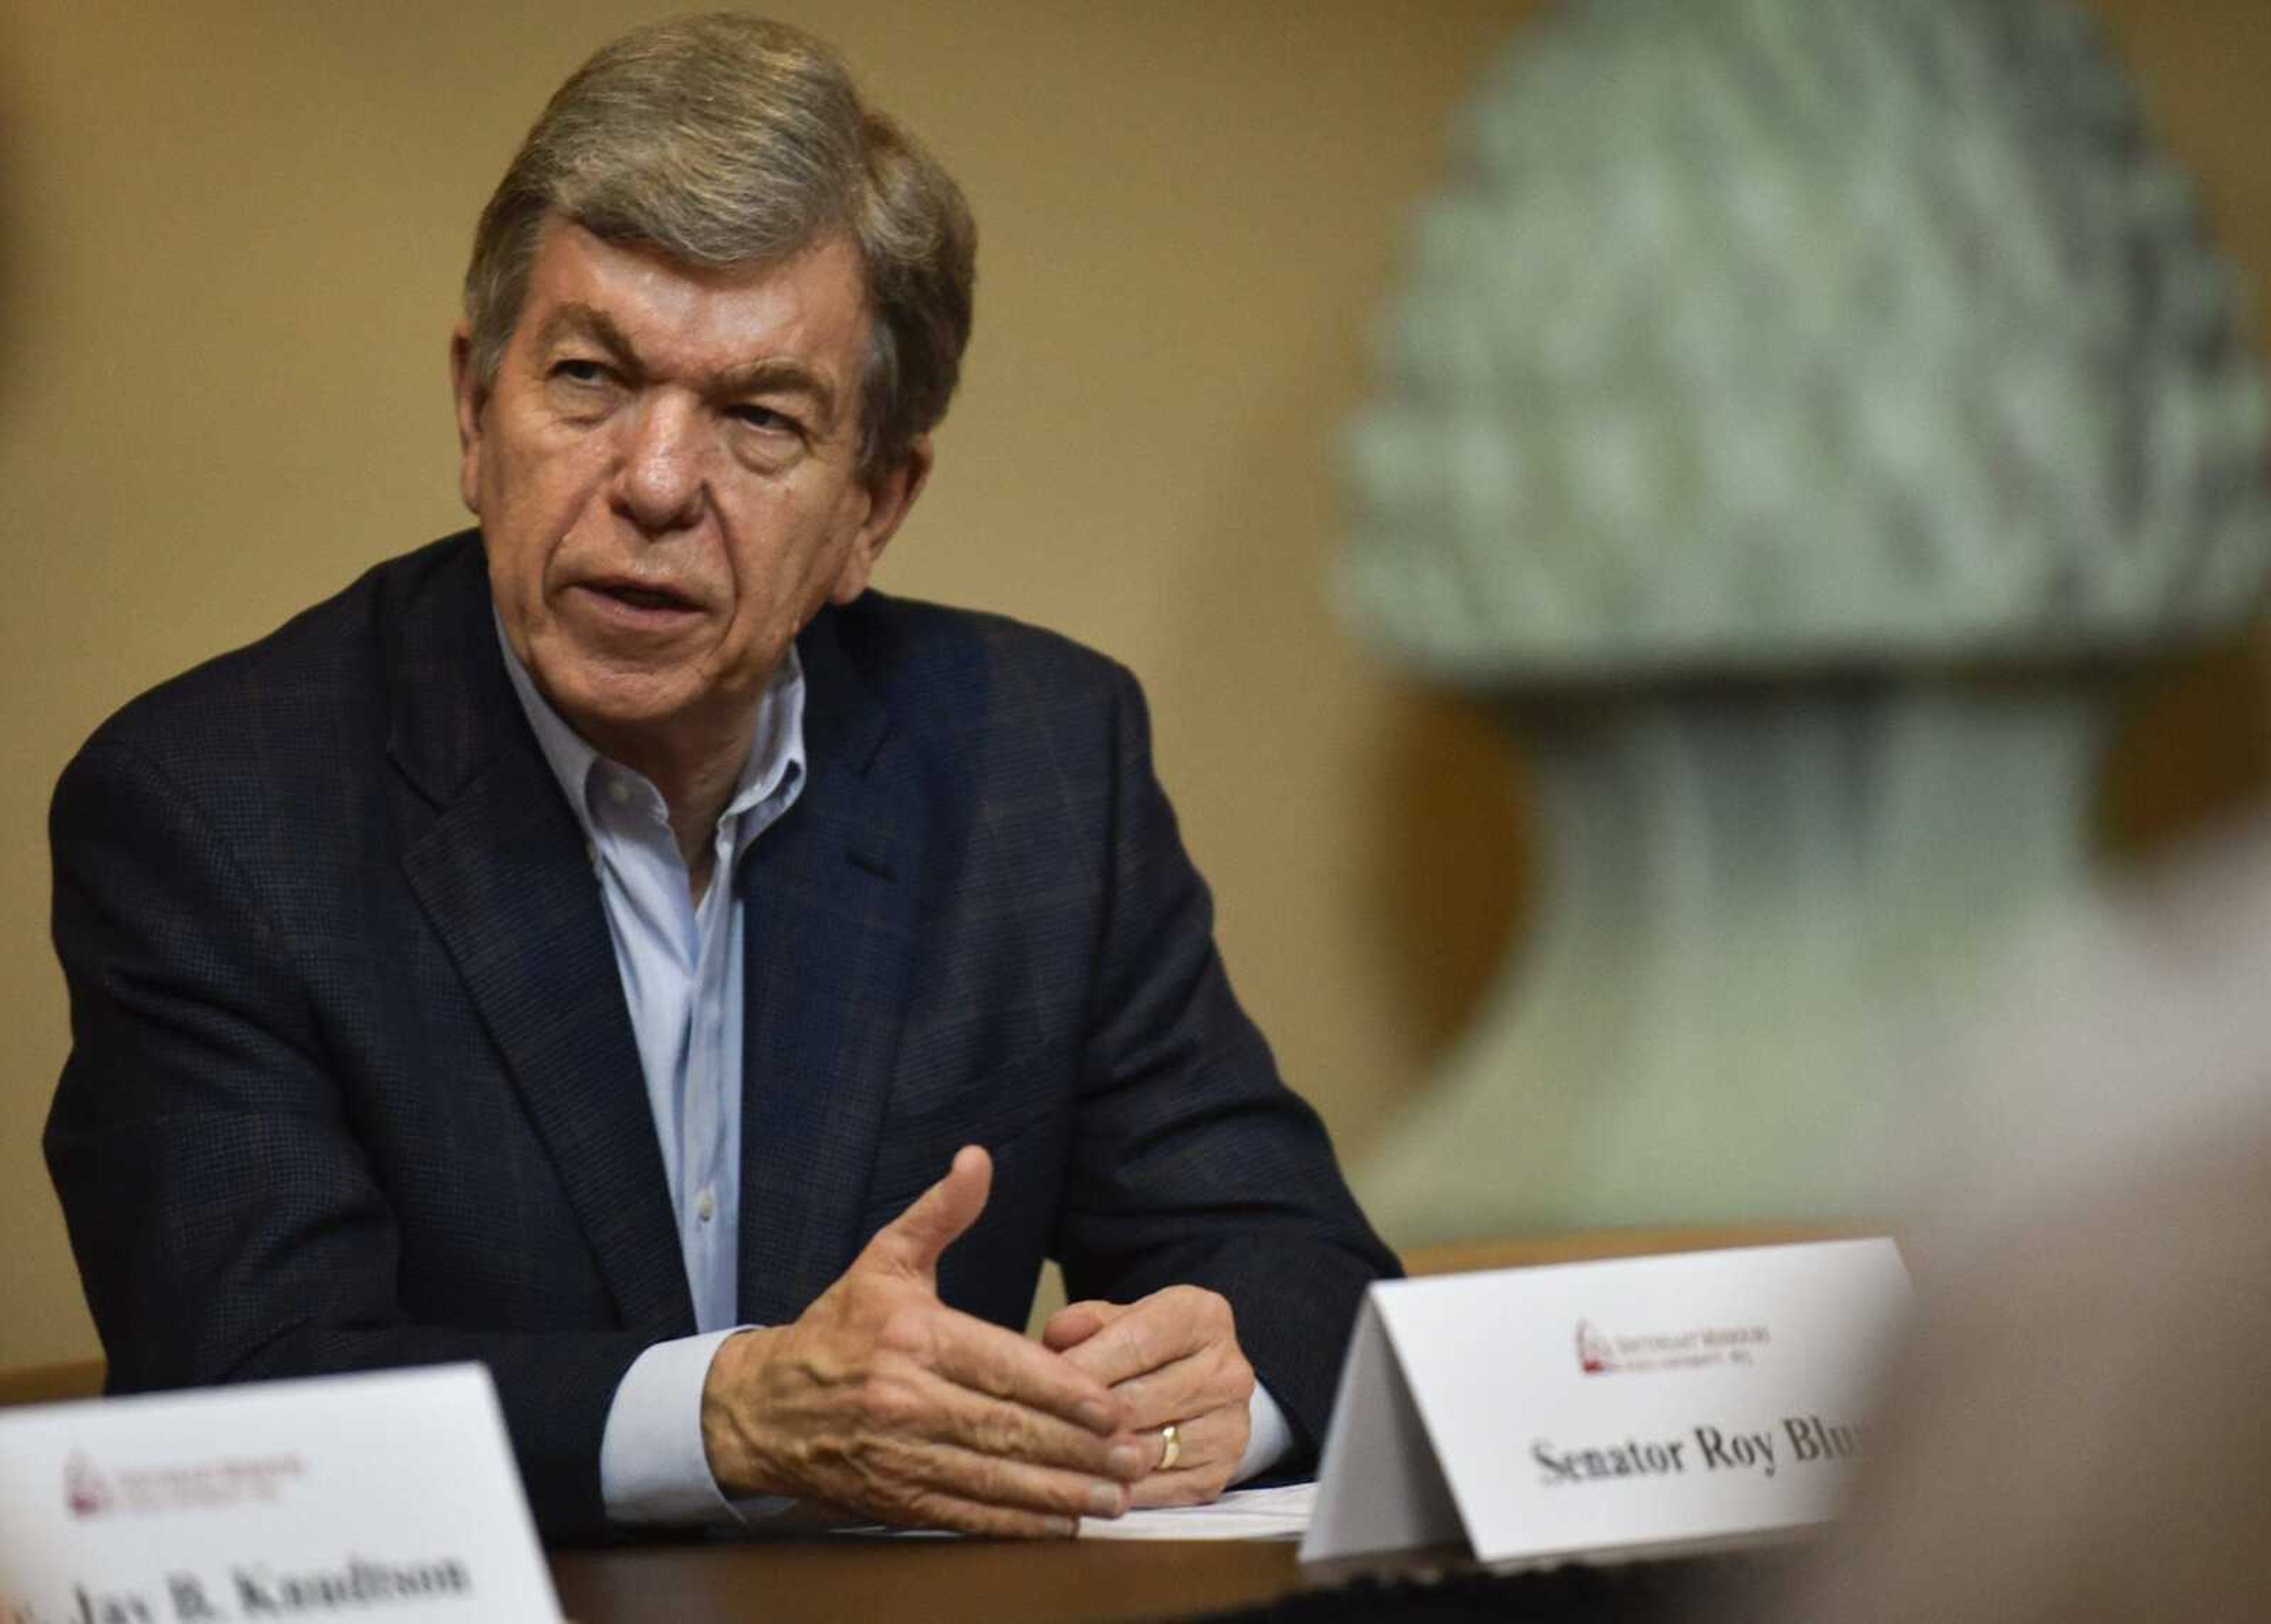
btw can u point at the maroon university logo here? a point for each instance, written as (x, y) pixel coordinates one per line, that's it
(1595, 1356)
(1641, 1352)
(84, 1492)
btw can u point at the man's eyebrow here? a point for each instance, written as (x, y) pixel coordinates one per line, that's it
(583, 321)
(773, 375)
(779, 375)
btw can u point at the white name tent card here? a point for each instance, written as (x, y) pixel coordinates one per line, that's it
(391, 1496)
(1642, 1405)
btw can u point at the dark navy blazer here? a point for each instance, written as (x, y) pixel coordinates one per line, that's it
(352, 1082)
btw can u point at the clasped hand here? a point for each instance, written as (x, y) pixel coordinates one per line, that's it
(880, 1400)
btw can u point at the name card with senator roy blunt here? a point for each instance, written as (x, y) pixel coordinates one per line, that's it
(1608, 1410)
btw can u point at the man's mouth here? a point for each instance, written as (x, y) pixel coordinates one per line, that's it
(647, 599)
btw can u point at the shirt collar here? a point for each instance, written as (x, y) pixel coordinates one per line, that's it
(774, 763)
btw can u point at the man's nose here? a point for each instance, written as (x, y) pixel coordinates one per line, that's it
(660, 484)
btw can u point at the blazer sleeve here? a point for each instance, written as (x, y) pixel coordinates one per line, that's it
(227, 1225)
(1191, 1160)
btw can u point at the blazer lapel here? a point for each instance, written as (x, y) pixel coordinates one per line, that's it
(503, 874)
(828, 905)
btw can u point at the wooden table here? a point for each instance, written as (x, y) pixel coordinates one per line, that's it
(852, 1578)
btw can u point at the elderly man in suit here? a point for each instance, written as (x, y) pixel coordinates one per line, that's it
(615, 945)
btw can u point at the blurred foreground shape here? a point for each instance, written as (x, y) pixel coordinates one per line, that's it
(2080, 1431)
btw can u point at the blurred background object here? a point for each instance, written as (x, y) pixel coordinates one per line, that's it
(1801, 420)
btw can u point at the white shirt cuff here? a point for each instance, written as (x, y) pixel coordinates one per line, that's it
(652, 1466)
(1268, 1438)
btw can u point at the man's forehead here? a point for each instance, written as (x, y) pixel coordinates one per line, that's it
(643, 301)
(829, 266)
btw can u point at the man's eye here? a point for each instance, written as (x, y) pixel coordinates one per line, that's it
(764, 418)
(578, 371)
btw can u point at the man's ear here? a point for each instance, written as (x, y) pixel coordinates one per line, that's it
(471, 396)
(890, 493)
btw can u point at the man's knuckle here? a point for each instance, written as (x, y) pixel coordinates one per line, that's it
(897, 1464)
(890, 1401)
(1241, 1377)
(908, 1330)
(1183, 1488)
(1141, 1338)
(994, 1481)
(917, 1503)
(1068, 1497)
(1036, 1493)
(1001, 1434)
(1008, 1524)
(1203, 1306)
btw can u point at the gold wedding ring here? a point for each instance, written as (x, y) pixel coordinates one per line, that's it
(1170, 1442)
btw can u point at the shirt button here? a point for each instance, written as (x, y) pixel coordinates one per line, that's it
(705, 1206)
(619, 792)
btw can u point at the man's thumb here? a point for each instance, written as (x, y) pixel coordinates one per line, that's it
(915, 1238)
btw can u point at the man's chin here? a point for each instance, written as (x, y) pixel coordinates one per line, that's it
(609, 707)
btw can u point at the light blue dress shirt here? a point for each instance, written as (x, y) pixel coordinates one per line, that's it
(680, 961)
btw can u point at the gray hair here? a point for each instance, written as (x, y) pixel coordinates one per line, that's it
(728, 140)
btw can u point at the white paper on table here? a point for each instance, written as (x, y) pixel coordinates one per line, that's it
(1279, 1513)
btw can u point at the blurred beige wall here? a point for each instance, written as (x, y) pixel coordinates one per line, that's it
(230, 235)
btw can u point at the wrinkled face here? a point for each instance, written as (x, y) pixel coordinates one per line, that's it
(664, 469)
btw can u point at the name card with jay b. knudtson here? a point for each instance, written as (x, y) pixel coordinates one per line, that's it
(1633, 1407)
(389, 1496)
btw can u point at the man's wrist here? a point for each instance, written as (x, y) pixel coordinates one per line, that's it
(737, 1464)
